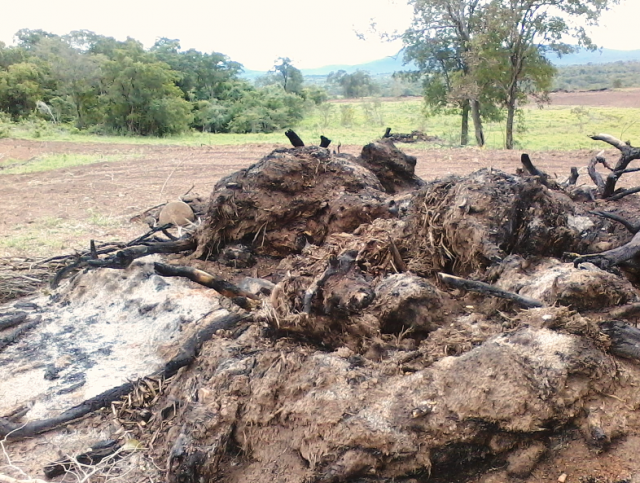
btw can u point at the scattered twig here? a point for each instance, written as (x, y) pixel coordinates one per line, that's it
(171, 174)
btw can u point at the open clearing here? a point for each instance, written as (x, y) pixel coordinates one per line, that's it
(97, 200)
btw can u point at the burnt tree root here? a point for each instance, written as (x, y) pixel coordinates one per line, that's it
(188, 353)
(628, 153)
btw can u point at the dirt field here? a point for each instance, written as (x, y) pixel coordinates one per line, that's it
(615, 98)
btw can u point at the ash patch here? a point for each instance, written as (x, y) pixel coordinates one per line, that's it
(104, 328)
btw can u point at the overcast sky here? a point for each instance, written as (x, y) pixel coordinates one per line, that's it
(257, 32)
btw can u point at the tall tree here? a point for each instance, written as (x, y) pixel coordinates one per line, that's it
(516, 36)
(438, 42)
(290, 77)
(20, 89)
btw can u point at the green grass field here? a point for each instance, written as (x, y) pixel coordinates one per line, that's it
(360, 121)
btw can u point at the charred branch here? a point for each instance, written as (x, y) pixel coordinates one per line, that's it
(622, 194)
(531, 169)
(594, 175)
(572, 179)
(486, 289)
(190, 350)
(123, 258)
(387, 133)
(610, 258)
(632, 227)
(628, 153)
(294, 139)
(220, 285)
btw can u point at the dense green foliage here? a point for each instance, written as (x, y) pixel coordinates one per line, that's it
(104, 85)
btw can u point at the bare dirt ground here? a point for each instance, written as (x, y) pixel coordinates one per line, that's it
(610, 98)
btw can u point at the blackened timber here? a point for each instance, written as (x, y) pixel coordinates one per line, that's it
(324, 142)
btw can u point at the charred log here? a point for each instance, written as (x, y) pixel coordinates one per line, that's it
(13, 336)
(12, 319)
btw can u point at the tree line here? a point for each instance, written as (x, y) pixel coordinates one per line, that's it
(105, 85)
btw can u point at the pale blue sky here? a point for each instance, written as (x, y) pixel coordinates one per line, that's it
(256, 32)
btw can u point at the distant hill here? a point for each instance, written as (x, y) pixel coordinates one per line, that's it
(600, 56)
(389, 65)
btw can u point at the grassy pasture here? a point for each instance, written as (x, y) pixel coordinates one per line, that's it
(359, 121)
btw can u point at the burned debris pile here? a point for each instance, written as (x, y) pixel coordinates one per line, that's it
(365, 325)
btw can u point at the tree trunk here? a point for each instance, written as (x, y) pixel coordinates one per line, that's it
(464, 131)
(511, 112)
(477, 121)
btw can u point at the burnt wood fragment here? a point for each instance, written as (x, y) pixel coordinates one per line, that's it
(625, 339)
(324, 142)
(486, 289)
(294, 139)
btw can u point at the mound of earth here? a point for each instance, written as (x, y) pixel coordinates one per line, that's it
(331, 350)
